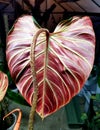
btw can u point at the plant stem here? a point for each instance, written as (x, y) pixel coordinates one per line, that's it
(32, 64)
(17, 125)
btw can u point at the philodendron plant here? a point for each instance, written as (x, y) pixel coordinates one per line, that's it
(50, 68)
(3, 85)
(3, 107)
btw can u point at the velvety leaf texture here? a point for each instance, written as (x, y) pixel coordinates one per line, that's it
(61, 69)
(3, 85)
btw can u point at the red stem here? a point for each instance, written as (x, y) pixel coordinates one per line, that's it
(17, 125)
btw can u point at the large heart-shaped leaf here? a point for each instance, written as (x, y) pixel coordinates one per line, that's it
(62, 66)
(3, 85)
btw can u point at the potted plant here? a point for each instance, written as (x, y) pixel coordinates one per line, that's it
(49, 69)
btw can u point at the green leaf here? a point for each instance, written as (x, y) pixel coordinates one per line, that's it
(84, 117)
(16, 97)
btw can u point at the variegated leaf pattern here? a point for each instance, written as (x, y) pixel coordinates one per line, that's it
(61, 69)
(3, 84)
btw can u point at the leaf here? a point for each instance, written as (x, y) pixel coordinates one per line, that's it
(62, 66)
(16, 97)
(3, 85)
